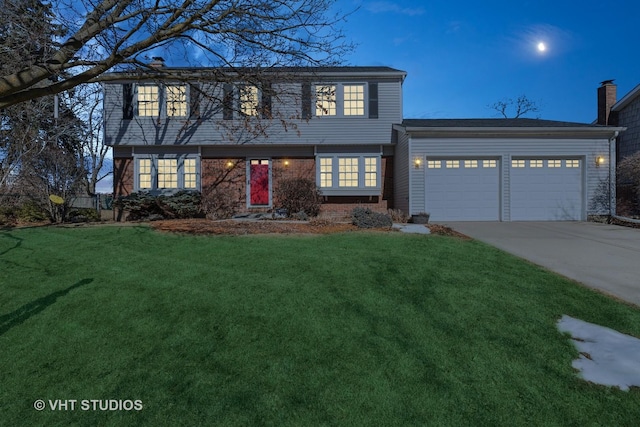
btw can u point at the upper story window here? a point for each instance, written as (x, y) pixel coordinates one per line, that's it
(249, 100)
(155, 101)
(176, 100)
(341, 100)
(148, 101)
(326, 100)
(353, 100)
(240, 101)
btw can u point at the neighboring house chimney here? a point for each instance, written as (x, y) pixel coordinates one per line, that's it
(606, 100)
(158, 62)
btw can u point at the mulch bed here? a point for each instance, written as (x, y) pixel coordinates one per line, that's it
(242, 227)
(443, 230)
(234, 227)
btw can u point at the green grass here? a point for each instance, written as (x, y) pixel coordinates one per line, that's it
(347, 329)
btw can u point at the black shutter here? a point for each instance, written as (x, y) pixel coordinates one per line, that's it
(194, 101)
(306, 100)
(227, 102)
(373, 100)
(127, 101)
(265, 102)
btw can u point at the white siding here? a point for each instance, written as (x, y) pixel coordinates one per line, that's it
(287, 128)
(505, 149)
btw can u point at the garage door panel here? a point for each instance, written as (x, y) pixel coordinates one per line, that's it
(546, 193)
(469, 192)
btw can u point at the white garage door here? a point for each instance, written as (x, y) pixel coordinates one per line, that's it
(546, 189)
(463, 189)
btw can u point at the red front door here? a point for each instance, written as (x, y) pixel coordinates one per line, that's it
(259, 182)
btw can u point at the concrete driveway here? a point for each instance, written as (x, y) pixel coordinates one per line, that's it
(601, 256)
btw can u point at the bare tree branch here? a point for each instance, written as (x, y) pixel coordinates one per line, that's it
(121, 33)
(509, 108)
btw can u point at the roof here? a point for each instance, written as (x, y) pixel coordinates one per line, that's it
(505, 128)
(491, 123)
(186, 72)
(627, 99)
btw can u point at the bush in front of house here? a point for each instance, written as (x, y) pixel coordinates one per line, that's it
(146, 206)
(398, 216)
(183, 204)
(83, 215)
(30, 211)
(298, 196)
(366, 218)
(628, 174)
(220, 202)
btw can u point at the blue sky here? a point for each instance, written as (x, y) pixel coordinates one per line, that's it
(461, 56)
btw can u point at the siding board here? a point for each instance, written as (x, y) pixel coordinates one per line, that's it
(585, 149)
(287, 127)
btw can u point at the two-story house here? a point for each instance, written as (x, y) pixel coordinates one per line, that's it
(212, 127)
(343, 127)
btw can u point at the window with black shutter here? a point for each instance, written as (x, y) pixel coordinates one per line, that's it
(265, 101)
(194, 101)
(306, 100)
(373, 100)
(127, 101)
(227, 102)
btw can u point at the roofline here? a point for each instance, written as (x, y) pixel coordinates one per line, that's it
(476, 131)
(191, 72)
(625, 100)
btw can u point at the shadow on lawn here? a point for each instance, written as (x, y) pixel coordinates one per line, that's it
(29, 310)
(18, 243)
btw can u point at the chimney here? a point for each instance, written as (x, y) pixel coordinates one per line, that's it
(158, 62)
(606, 100)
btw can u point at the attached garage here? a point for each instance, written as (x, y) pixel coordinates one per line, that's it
(546, 189)
(504, 169)
(463, 189)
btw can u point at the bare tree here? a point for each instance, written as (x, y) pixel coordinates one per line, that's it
(86, 103)
(628, 177)
(510, 108)
(95, 37)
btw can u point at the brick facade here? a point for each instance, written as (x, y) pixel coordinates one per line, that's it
(122, 177)
(227, 178)
(230, 174)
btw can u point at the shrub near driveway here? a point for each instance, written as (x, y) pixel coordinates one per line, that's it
(343, 329)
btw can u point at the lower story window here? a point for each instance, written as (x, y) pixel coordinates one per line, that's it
(326, 172)
(155, 173)
(348, 172)
(144, 173)
(348, 175)
(370, 171)
(167, 173)
(190, 175)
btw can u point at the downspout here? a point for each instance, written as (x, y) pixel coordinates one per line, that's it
(612, 174)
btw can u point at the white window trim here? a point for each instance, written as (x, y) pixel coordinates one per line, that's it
(257, 101)
(162, 100)
(154, 173)
(361, 189)
(340, 100)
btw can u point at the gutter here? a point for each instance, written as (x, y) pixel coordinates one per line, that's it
(612, 174)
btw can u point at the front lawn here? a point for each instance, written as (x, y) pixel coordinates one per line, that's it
(341, 329)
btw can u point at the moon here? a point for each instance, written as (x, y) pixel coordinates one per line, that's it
(542, 47)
